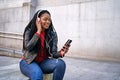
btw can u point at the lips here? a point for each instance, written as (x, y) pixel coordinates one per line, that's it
(47, 26)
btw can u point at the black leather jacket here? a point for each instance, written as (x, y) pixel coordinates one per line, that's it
(30, 51)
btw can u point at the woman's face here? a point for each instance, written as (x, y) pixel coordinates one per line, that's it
(45, 20)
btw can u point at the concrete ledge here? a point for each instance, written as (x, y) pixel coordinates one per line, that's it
(11, 35)
(14, 4)
(10, 52)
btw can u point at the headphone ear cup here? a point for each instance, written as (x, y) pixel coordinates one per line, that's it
(38, 19)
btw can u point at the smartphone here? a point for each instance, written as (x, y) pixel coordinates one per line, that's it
(68, 42)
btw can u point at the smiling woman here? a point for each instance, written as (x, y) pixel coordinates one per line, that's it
(45, 21)
(40, 49)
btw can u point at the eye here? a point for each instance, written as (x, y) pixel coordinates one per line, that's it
(47, 19)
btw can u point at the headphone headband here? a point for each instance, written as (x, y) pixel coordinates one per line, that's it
(38, 14)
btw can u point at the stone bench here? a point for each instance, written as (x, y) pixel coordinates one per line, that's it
(45, 77)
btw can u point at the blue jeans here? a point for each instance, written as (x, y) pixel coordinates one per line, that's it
(35, 70)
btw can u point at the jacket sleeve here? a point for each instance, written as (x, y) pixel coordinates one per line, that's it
(30, 43)
(55, 52)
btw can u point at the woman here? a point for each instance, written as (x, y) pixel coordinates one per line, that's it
(40, 49)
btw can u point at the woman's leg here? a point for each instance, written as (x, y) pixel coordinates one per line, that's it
(55, 66)
(32, 70)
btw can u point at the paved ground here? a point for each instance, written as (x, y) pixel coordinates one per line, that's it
(77, 69)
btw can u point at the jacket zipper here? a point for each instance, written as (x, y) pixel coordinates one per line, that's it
(50, 39)
(49, 46)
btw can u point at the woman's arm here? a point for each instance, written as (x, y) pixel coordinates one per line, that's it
(30, 43)
(55, 52)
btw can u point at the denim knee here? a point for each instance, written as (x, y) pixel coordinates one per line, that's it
(61, 64)
(36, 75)
(33, 71)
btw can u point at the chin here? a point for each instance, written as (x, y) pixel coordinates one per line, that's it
(46, 27)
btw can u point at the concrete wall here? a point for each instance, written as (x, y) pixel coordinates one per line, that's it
(93, 25)
(14, 16)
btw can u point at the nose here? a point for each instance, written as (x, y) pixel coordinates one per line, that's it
(48, 22)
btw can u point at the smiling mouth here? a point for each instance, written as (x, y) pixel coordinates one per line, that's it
(47, 26)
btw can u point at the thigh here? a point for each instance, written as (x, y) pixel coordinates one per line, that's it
(29, 69)
(49, 65)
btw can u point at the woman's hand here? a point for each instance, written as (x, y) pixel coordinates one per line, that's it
(65, 49)
(38, 24)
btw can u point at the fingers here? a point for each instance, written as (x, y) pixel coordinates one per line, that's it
(65, 49)
(37, 21)
(38, 25)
